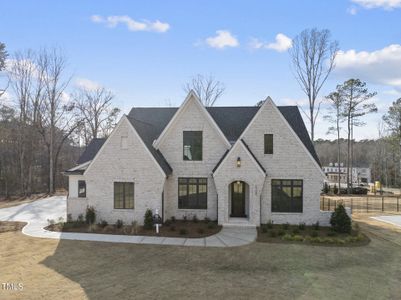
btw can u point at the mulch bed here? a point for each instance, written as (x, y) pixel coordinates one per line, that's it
(179, 228)
(324, 236)
(6, 226)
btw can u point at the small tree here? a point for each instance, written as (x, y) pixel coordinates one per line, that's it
(336, 190)
(206, 88)
(148, 219)
(90, 216)
(340, 220)
(326, 188)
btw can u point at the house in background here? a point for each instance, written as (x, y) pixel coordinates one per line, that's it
(360, 175)
(237, 165)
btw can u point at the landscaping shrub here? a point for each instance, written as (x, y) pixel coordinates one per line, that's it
(207, 220)
(316, 226)
(173, 219)
(201, 231)
(272, 233)
(340, 220)
(302, 226)
(148, 219)
(167, 223)
(69, 217)
(264, 229)
(183, 231)
(185, 218)
(80, 218)
(90, 215)
(287, 237)
(269, 224)
(314, 234)
(326, 188)
(103, 224)
(195, 219)
(286, 226)
(172, 228)
(119, 223)
(281, 232)
(331, 233)
(295, 231)
(211, 225)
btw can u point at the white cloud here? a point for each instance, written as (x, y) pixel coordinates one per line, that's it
(382, 66)
(281, 44)
(132, 25)
(222, 40)
(87, 84)
(385, 4)
(352, 10)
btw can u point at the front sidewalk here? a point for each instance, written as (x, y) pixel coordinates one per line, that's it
(37, 213)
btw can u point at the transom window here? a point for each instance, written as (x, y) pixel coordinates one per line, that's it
(268, 144)
(192, 193)
(192, 145)
(123, 195)
(287, 195)
(81, 188)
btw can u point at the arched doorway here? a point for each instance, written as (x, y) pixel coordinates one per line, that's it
(238, 199)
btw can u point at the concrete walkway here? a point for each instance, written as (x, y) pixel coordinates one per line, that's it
(392, 219)
(38, 212)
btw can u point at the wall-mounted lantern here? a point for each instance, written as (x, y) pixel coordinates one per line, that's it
(239, 162)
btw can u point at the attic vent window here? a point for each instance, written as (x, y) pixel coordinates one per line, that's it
(124, 142)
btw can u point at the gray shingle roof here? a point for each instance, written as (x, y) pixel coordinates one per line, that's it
(91, 150)
(149, 122)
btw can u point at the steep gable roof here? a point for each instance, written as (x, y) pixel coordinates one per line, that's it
(91, 150)
(149, 122)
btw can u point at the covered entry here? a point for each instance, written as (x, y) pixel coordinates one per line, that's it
(238, 199)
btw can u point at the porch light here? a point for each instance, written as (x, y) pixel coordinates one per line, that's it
(239, 162)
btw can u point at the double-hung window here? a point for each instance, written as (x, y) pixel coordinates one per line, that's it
(81, 188)
(287, 195)
(192, 193)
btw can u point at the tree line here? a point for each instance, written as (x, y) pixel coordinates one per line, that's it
(45, 120)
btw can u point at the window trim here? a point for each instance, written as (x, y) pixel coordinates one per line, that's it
(183, 145)
(292, 187)
(187, 184)
(267, 150)
(124, 201)
(83, 195)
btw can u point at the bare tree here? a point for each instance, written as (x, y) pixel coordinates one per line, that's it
(356, 97)
(336, 117)
(21, 74)
(95, 107)
(3, 57)
(206, 88)
(58, 118)
(313, 55)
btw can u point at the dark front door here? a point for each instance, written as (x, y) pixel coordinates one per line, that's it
(238, 199)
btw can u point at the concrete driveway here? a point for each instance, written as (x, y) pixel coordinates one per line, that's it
(393, 219)
(38, 212)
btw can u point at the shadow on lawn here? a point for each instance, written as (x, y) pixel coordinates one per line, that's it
(108, 270)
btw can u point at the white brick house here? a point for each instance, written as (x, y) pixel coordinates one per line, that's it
(231, 164)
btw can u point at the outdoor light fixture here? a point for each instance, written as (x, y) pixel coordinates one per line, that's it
(239, 162)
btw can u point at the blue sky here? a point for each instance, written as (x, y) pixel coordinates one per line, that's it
(148, 63)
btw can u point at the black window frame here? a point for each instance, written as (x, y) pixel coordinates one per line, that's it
(124, 200)
(81, 195)
(184, 201)
(268, 143)
(188, 140)
(293, 206)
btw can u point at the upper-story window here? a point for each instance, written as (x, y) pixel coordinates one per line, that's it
(192, 145)
(81, 188)
(268, 144)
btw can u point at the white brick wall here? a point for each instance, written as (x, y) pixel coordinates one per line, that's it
(192, 119)
(288, 161)
(134, 164)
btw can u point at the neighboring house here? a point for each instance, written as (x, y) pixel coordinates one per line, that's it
(231, 164)
(360, 175)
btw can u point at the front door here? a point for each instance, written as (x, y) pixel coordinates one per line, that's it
(238, 199)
